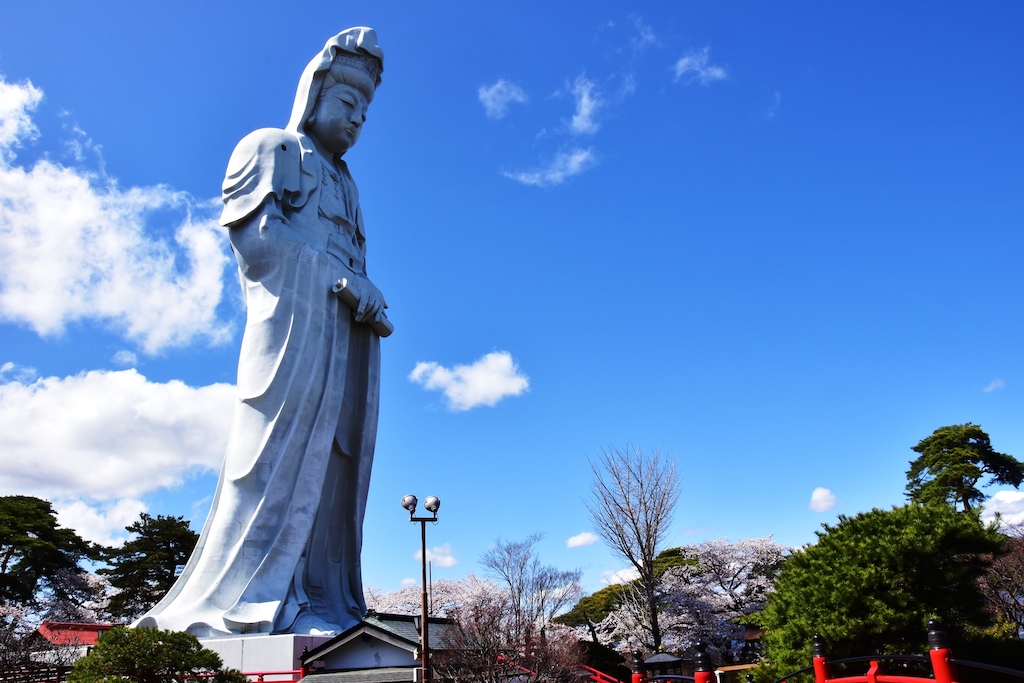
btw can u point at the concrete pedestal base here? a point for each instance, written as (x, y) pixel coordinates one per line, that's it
(262, 652)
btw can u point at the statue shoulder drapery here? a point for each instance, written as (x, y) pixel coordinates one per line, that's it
(266, 162)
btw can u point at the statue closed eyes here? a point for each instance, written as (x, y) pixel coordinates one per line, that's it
(280, 551)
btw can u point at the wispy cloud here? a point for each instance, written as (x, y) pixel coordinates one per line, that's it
(565, 165)
(483, 383)
(822, 500)
(773, 108)
(627, 87)
(588, 102)
(698, 530)
(441, 555)
(497, 98)
(581, 540)
(994, 385)
(199, 510)
(125, 358)
(610, 577)
(12, 372)
(695, 64)
(74, 246)
(644, 36)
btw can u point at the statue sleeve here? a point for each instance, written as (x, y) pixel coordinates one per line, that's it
(266, 162)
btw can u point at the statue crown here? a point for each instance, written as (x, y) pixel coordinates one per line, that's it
(364, 62)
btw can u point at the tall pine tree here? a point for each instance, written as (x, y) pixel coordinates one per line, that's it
(144, 568)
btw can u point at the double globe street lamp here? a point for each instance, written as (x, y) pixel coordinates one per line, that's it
(432, 504)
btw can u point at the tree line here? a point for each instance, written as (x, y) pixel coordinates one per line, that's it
(45, 571)
(868, 584)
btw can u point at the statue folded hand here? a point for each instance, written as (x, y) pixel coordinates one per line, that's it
(380, 323)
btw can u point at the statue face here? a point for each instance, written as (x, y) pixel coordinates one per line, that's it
(338, 118)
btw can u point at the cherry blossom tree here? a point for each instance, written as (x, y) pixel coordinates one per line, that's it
(483, 646)
(15, 629)
(501, 628)
(1003, 584)
(705, 595)
(446, 595)
(711, 599)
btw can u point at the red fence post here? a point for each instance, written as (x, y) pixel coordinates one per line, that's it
(639, 670)
(944, 670)
(703, 672)
(820, 659)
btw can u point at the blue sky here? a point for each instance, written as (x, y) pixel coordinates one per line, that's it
(781, 242)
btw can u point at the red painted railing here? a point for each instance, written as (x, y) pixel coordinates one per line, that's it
(598, 676)
(287, 676)
(595, 675)
(944, 672)
(943, 665)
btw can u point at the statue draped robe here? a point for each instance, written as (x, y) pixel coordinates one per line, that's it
(284, 534)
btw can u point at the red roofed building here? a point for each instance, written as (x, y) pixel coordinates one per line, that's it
(72, 633)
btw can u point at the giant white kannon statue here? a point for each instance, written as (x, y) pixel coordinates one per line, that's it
(280, 551)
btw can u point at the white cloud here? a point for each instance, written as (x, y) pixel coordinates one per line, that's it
(994, 385)
(125, 358)
(16, 103)
(822, 500)
(497, 98)
(581, 540)
(588, 102)
(74, 246)
(1010, 505)
(696, 64)
(483, 383)
(103, 524)
(409, 582)
(120, 436)
(610, 577)
(563, 167)
(441, 555)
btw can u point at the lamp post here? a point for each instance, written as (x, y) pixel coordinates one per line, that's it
(432, 504)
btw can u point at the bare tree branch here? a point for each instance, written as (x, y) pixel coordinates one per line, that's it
(537, 592)
(632, 499)
(506, 635)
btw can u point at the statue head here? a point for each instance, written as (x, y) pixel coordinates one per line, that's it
(336, 88)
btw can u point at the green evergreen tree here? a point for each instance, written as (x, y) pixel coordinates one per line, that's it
(144, 568)
(594, 607)
(953, 461)
(143, 655)
(871, 582)
(34, 548)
